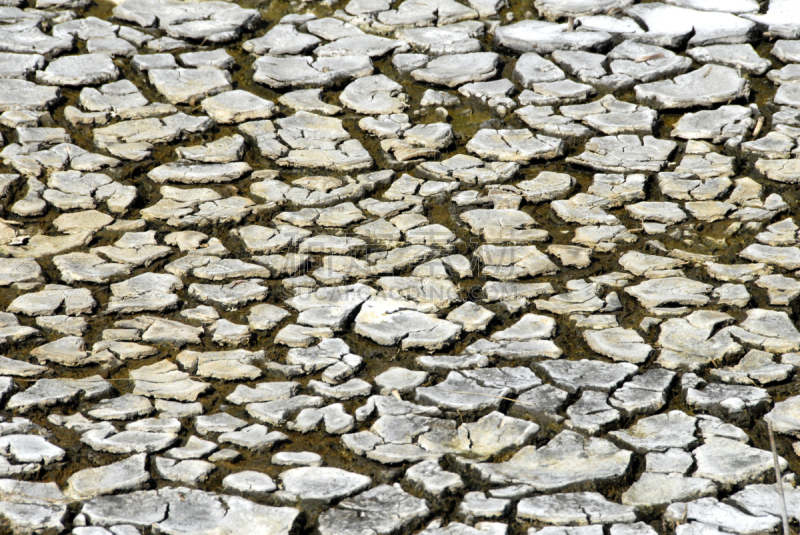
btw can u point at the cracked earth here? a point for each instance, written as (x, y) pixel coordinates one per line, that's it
(430, 267)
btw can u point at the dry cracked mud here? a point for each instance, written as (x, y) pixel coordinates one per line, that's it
(435, 267)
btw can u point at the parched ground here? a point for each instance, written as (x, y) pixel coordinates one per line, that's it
(423, 267)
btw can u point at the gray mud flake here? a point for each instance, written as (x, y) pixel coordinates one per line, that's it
(230, 296)
(574, 508)
(224, 150)
(542, 404)
(785, 257)
(304, 71)
(591, 414)
(708, 85)
(23, 449)
(532, 68)
(731, 464)
(405, 63)
(546, 186)
(557, 9)
(763, 500)
(126, 475)
(650, 266)
(334, 418)
(43, 393)
(519, 146)
(585, 209)
(400, 379)
(371, 46)
(788, 51)
(254, 437)
(618, 344)
(111, 46)
(425, 12)
(125, 407)
(667, 213)
(560, 92)
(188, 86)
(322, 484)
(30, 506)
(195, 448)
(85, 69)
(670, 25)
(674, 429)
(471, 317)
(17, 368)
(581, 297)
(756, 366)
(317, 141)
(373, 95)
(694, 341)
(451, 39)
(237, 106)
(188, 472)
(544, 119)
(462, 393)
(145, 292)
(214, 22)
(545, 37)
(613, 117)
(779, 19)
(741, 56)
(278, 411)
(737, 7)
(658, 490)
(625, 154)
(672, 290)
(280, 40)
(225, 365)
(185, 506)
(645, 393)
(568, 460)
(430, 477)
(299, 458)
(250, 483)
(330, 28)
(779, 170)
(163, 380)
(217, 59)
(716, 125)
(646, 63)
(31, 40)
(107, 440)
(785, 417)
(575, 376)
(68, 351)
(23, 95)
(458, 69)
(529, 327)
(383, 509)
(19, 270)
(188, 172)
(144, 63)
(221, 422)
(389, 321)
(309, 100)
(719, 517)
(672, 461)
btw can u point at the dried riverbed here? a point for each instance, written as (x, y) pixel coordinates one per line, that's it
(423, 267)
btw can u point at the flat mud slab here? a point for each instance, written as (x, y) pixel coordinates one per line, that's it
(440, 267)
